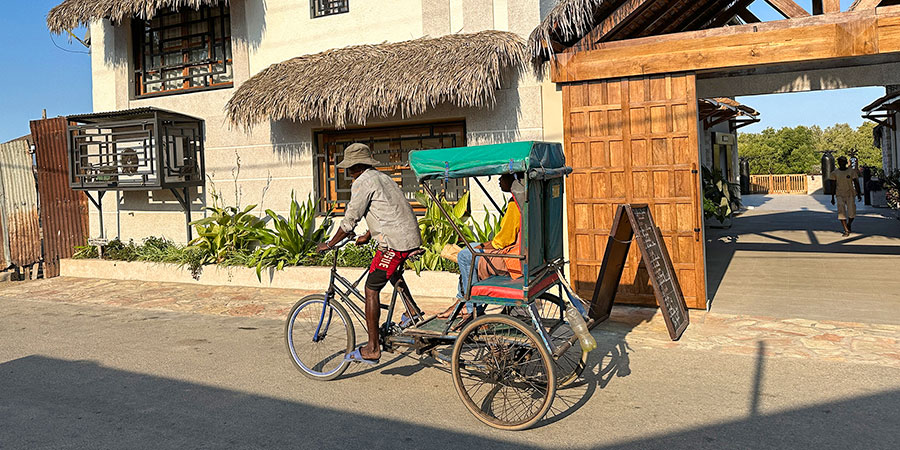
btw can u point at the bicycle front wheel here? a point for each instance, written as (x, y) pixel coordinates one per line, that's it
(318, 335)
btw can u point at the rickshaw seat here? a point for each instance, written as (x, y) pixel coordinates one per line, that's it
(504, 287)
(499, 287)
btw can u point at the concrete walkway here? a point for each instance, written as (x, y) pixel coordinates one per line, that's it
(785, 257)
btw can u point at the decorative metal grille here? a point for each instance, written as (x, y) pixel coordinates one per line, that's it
(182, 50)
(320, 8)
(392, 147)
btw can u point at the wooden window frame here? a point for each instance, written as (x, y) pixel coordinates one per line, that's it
(323, 8)
(327, 179)
(218, 51)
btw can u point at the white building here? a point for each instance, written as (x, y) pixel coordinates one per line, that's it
(193, 56)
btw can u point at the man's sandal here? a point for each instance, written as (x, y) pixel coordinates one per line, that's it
(356, 356)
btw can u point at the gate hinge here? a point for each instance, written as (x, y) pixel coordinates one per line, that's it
(694, 171)
(696, 230)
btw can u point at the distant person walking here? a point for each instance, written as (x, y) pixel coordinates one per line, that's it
(846, 186)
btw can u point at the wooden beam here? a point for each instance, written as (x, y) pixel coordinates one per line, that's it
(835, 37)
(864, 4)
(748, 16)
(825, 6)
(788, 8)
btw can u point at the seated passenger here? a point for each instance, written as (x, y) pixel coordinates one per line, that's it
(505, 241)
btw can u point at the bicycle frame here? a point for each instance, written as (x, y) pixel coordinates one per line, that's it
(342, 289)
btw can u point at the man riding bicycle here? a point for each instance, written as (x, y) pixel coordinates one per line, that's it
(393, 225)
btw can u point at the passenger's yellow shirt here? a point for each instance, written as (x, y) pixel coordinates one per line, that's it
(509, 227)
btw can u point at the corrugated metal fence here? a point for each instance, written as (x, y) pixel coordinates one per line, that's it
(20, 234)
(64, 217)
(778, 184)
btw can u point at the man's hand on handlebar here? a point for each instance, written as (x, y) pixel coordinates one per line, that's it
(362, 240)
(335, 241)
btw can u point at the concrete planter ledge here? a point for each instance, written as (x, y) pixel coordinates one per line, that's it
(429, 284)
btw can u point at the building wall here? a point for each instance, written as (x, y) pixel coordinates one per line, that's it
(276, 158)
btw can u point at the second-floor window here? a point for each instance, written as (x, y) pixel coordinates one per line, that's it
(319, 8)
(176, 51)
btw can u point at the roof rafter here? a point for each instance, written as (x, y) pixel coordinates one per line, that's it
(864, 4)
(825, 6)
(788, 8)
(728, 14)
(616, 19)
(748, 16)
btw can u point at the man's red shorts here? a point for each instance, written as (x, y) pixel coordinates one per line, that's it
(383, 267)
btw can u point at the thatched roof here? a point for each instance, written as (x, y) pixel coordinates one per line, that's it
(348, 85)
(70, 14)
(569, 20)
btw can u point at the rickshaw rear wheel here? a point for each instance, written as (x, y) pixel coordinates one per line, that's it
(570, 363)
(503, 372)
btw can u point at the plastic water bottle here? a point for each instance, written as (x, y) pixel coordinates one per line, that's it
(578, 325)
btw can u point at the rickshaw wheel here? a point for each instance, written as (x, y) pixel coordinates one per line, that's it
(503, 372)
(570, 363)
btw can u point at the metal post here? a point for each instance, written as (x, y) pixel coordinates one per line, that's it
(478, 182)
(184, 200)
(99, 205)
(187, 213)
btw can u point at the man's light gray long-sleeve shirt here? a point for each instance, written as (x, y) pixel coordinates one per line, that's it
(375, 196)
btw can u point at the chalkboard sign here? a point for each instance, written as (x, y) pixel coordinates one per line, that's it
(634, 222)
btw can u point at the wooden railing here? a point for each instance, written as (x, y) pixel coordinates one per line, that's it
(778, 184)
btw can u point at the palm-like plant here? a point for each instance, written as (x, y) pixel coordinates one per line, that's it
(293, 238)
(227, 229)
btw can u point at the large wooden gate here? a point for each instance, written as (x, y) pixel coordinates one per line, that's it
(634, 140)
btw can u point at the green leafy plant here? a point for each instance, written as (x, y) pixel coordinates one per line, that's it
(489, 226)
(293, 238)
(720, 197)
(437, 231)
(891, 185)
(227, 229)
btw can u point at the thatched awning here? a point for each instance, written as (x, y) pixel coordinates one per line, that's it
(71, 14)
(348, 85)
(568, 21)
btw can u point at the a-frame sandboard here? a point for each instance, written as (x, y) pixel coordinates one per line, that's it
(634, 222)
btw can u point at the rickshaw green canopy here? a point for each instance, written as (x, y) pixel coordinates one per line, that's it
(540, 159)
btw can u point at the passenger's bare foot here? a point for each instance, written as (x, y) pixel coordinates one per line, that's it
(447, 312)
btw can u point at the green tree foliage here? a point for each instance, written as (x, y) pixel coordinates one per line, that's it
(799, 149)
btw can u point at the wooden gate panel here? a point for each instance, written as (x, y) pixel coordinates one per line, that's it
(634, 141)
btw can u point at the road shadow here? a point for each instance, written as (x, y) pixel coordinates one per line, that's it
(54, 403)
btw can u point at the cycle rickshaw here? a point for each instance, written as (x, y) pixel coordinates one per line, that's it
(509, 357)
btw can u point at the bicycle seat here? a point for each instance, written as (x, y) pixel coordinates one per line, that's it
(417, 253)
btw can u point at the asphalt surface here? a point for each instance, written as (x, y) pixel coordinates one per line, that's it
(93, 377)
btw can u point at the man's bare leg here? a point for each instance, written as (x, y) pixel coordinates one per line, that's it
(846, 227)
(373, 314)
(850, 225)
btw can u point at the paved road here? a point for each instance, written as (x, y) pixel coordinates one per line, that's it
(786, 258)
(89, 376)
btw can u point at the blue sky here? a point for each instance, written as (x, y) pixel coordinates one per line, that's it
(37, 74)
